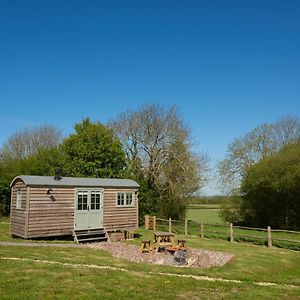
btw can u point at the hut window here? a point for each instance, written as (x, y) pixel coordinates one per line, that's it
(128, 198)
(19, 199)
(95, 200)
(120, 201)
(125, 199)
(82, 200)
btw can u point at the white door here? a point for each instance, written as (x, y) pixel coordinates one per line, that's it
(88, 209)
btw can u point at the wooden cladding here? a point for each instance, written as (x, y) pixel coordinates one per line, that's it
(117, 217)
(49, 211)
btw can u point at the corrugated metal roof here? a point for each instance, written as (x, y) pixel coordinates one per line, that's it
(75, 181)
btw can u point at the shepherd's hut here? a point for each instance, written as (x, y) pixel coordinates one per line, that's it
(87, 208)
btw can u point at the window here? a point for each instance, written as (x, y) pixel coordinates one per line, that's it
(19, 199)
(89, 199)
(82, 200)
(125, 199)
(129, 199)
(95, 200)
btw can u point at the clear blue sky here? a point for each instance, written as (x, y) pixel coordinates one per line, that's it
(227, 65)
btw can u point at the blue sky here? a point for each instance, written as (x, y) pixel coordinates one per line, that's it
(227, 65)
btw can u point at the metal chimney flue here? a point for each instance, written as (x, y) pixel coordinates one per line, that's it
(57, 174)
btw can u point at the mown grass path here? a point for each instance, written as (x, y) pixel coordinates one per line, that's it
(196, 277)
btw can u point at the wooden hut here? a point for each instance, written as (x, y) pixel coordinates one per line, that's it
(43, 206)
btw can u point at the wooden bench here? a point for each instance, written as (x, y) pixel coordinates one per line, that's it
(163, 238)
(181, 243)
(146, 246)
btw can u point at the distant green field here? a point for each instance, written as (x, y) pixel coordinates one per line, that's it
(211, 216)
(207, 215)
(203, 206)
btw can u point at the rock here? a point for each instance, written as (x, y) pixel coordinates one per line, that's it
(180, 257)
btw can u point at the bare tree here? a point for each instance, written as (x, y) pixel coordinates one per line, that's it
(259, 143)
(28, 141)
(158, 147)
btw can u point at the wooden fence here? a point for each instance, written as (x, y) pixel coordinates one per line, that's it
(231, 233)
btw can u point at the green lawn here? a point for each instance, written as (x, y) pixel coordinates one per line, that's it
(30, 279)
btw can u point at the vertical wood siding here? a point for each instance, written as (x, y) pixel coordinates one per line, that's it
(118, 217)
(51, 218)
(17, 216)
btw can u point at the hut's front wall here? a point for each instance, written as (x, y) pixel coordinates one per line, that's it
(51, 211)
(53, 218)
(18, 215)
(46, 211)
(117, 217)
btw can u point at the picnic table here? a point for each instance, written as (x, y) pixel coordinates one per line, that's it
(163, 238)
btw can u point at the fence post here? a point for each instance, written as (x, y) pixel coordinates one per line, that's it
(185, 226)
(202, 230)
(170, 225)
(230, 232)
(146, 222)
(269, 237)
(154, 223)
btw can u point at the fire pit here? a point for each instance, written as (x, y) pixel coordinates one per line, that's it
(196, 258)
(179, 255)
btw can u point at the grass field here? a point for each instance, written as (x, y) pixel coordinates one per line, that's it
(204, 206)
(50, 273)
(208, 214)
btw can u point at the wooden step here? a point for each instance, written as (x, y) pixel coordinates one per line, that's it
(89, 239)
(90, 235)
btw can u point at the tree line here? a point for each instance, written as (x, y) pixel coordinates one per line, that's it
(261, 172)
(152, 145)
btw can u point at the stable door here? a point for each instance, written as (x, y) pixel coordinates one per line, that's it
(89, 209)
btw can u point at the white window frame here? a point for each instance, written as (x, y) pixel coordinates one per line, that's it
(125, 199)
(97, 203)
(19, 200)
(88, 192)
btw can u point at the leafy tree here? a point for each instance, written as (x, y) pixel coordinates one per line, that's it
(262, 141)
(93, 150)
(231, 210)
(43, 162)
(271, 190)
(4, 192)
(158, 148)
